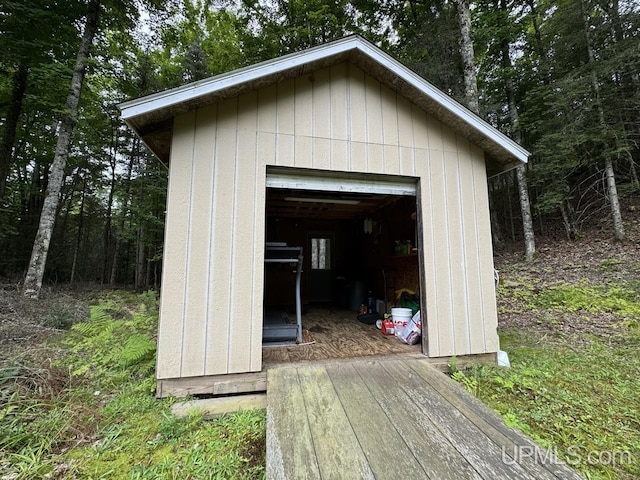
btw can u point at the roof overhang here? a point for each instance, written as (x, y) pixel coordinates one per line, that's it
(151, 116)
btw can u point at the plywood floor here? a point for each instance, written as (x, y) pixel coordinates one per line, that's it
(389, 418)
(336, 333)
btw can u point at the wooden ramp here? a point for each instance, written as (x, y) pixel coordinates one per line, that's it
(390, 419)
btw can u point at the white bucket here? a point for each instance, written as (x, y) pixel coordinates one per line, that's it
(400, 317)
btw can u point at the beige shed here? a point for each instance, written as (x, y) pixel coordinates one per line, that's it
(378, 178)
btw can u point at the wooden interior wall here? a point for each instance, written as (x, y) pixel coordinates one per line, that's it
(338, 119)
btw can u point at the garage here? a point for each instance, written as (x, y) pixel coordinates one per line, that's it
(340, 151)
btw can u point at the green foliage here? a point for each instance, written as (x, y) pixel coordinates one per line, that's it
(92, 413)
(138, 348)
(292, 25)
(468, 382)
(113, 337)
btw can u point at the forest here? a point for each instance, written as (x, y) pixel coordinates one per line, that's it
(82, 200)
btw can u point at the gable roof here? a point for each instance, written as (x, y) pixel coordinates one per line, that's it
(151, 116)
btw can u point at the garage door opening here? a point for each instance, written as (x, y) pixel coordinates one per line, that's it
(359, 250)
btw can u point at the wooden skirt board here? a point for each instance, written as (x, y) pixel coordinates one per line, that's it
(390, 418)
(336, 333)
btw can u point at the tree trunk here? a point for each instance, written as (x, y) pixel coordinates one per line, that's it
(525, 209)
(463, 15)
(568, 218)
(523, 189)
(496, 232)
(507, 184)
(11, 124)
(35, 273)
(140, 260)
(107, 233)
(633, 172)
(612, 191)
(135, 151)
(76, 251)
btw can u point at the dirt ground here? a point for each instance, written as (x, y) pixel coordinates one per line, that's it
(595, 258)
(26, 323)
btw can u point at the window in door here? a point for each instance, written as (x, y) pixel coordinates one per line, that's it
(321, 254)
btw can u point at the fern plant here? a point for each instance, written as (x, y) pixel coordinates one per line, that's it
(114, 343)
(138, 349)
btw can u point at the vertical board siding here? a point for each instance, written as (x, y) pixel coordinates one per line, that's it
(267, 109)
(200, 210)
(375, 158)
(337, 119)
(427, 246)
(421, 131)
(322, 104)
(485, 247)
(321, 153)
(471, 248)
(303, 119)
(407, 161)
(444, 283)
(340, 155)
(456, 260)
(285, 104)
(242, 260)
(391, 159)
(357, 105)
(390, 137)
(390, 134)
(257, 290)
(338, 122)
(220, 308)
(285, 121)
(321, 126)
(170, 328)
(373, 110)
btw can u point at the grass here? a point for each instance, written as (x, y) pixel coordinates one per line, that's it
(581, 402)
(83, 406)
(576, 393)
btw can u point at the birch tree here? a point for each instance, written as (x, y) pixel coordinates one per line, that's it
(35, 273)
(521, 170)
(612, 190)
(463, 16)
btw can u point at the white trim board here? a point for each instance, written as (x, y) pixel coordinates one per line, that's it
(347, 184)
